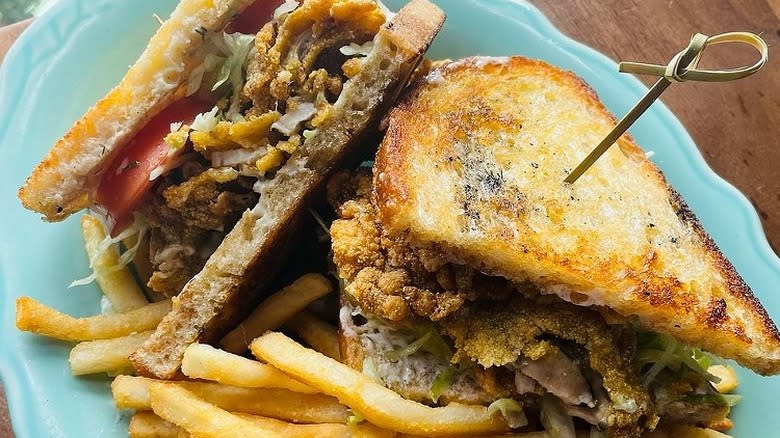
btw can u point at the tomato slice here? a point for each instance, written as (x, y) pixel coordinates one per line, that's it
(254, 17)
(126, 180)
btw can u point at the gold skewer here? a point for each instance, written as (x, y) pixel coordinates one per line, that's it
(681, 68)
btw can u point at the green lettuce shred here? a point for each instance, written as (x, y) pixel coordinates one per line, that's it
(355, 419)
(437, 346)
(396, 355)
(443, 380)
(207, 121)
(428, 339)
(237, 47)
(138, 228)
(511, 410)
(662, 351)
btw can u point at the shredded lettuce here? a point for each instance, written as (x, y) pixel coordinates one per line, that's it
(355, 419)
(207, 121)
(210, 62)
(138, 228)
(555, 419)
(231, 52)
(428, 339)
(714, 399)
(285, 8)
(443, 380)
(237, 47)
(512, 412)
(436, 344)
(663, 351)
(396, 355)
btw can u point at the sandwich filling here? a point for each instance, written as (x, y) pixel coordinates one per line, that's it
(270, 91)
(440, 333)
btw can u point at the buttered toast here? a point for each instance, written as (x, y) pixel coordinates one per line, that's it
(473, 164)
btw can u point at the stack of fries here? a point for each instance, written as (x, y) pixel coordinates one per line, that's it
(288, 390)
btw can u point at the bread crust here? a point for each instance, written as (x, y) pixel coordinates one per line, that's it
(230, 283)
(587, 242)
(65, 181)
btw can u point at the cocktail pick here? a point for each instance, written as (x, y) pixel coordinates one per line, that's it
(682, 67)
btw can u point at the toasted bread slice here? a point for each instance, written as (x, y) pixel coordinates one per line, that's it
(215, 299)
(473, 163)
(65, 180)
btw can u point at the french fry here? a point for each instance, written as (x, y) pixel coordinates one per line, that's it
(277, 309)
(145, 424)
(202, 419)
(130, 392)
(133, 393)
(203, 361)
(377, 404)
(118, 284)
(107, 355)
(149, 425)
(186, 410)
(38, 318)
(364, 430)
(320, 335)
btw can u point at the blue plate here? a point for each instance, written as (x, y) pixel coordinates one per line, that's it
(79, 49)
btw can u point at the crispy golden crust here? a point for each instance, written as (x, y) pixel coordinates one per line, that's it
(387, 276)
(498, 332)
(65, 179)
(482, 146)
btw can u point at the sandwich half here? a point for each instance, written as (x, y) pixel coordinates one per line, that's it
(439, 332)
(217, 138)
(225, 290)
(472, 273)
(472, 167)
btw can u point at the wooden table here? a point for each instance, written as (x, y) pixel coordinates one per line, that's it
(736, 124)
